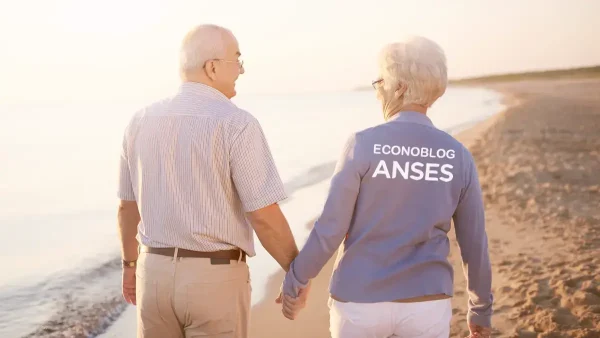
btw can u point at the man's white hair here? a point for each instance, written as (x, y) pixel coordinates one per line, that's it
(420, 64)
(201, 44)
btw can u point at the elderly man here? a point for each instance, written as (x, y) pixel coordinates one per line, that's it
(197, 177)
(394, 193)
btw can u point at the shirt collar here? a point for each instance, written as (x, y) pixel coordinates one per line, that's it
(202, 90)
(411, 117)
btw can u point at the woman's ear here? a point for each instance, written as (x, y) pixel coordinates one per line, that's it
(402, 87)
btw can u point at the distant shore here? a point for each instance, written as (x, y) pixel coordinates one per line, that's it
(592, 72)
(557, 74)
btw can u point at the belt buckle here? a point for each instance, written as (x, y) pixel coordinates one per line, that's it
(220, 261)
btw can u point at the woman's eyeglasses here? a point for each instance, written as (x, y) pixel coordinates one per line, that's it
(376, 82)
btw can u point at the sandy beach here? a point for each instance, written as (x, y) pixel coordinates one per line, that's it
(154, 101)
(538, 163)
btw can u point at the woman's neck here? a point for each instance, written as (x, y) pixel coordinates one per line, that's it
(409, 107)
(415, 107)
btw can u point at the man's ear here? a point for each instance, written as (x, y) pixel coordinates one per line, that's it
(209, 70)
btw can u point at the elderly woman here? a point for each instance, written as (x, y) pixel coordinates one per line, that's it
(395, 191)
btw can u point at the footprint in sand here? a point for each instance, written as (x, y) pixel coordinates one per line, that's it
(519, 303)
(505, 262)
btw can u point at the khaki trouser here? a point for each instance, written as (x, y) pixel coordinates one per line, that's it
(190, 297)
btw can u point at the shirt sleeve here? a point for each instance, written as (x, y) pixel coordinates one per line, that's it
(125, 189)
(253, 169)
(331, 227)
(469, 223)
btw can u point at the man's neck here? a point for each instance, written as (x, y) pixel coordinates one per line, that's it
(196, 79)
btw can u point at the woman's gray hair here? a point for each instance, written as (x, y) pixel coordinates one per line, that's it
(201, 44)
(420, 64)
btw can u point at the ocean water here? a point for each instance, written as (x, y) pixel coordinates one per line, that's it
(58, 233)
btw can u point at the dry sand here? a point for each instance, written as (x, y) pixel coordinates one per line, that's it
(539, 165)
(540, 171)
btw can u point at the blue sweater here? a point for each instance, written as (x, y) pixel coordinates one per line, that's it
(395, 191)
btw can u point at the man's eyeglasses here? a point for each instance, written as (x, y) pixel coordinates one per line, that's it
(239, 62)
(376, 82)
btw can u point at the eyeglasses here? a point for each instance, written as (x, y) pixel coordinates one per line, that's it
(239, 62)
(376, 82)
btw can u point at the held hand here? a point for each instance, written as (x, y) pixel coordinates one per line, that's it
(480, 331)
(129, 285)
(292, 306)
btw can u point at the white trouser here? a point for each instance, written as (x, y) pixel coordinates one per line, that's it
(429, 319)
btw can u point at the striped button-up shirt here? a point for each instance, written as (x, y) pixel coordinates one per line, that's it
(195, 164)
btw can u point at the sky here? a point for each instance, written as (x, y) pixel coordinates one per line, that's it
(121, 50)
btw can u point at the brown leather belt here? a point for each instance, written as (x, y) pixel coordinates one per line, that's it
(216, 257)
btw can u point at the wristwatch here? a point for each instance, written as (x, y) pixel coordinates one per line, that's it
(129, 264)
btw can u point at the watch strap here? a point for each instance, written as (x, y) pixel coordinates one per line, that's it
(129, 264)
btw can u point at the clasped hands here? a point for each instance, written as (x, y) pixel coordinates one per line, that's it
(290, 305)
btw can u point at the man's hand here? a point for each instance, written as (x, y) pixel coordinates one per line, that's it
(292, 306)
(128, 217)
(479, 331)
(129, 285)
